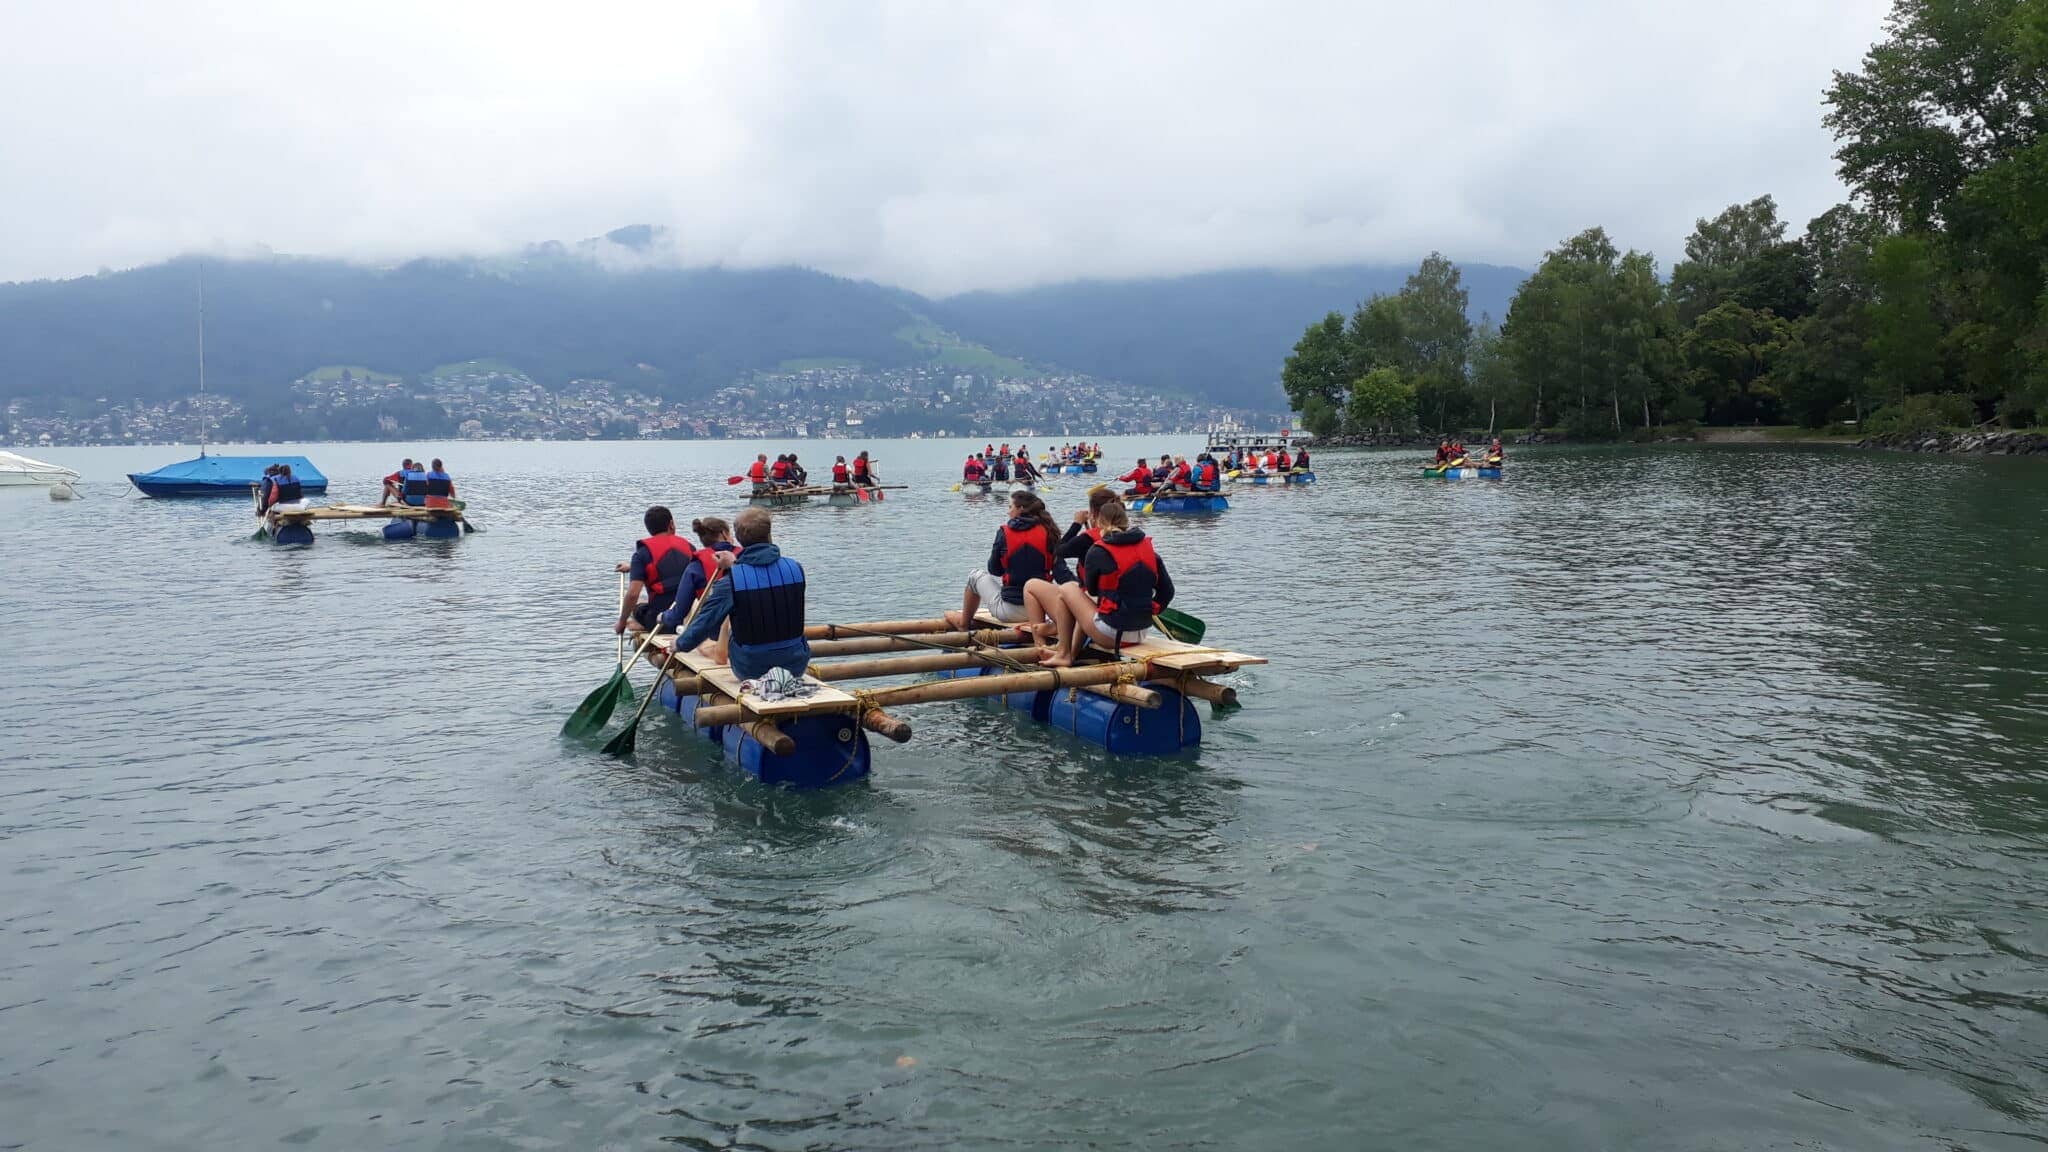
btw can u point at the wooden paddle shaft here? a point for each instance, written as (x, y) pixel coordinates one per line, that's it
(869, 645)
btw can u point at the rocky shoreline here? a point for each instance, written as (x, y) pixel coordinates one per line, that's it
(1981, 443)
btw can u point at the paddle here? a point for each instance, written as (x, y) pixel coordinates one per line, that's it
(622, 744)
(597, 707)
(1180, 626)
(735, 479)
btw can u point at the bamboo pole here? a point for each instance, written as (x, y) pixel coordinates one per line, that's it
(1221, 695)
(897, 665)
(964, 688)
(774, 739)
(1130, 694)
(830, 631)
(882, 723)
(871, 644)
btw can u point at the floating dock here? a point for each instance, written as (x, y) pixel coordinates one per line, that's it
(293, 523)
(1138, 702)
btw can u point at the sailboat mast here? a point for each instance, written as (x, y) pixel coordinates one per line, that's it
(202, 356)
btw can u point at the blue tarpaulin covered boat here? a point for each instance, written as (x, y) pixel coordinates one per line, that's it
(223, 476)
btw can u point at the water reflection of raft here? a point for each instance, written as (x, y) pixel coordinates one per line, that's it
(1137, 703)
(293, 523)
(1187, 503)
(1467, 472)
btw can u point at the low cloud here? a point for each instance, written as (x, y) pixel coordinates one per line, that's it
(938, 146)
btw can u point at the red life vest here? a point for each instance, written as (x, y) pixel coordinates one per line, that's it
(839, 473)
(659, 548)
(707, 560)
(1179, 476)
(974, 470)
(1206, 475)
(1139, 478)
(1034, 547)
(1136, 577)
(758, 472)
(860, 470)
(1285, 463)
(782, 469)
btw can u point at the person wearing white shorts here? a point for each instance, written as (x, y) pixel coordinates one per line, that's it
(1026, 548)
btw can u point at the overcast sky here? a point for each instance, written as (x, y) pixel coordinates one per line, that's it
(939, 146)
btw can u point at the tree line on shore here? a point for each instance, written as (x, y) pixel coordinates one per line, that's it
(1920, 303)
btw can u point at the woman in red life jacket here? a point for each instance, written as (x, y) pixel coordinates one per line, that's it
(1139, 478)
(1027, 472)
(864, 471)
(1284, 463)
(1081, 535)
(714, 538)
(780, 472)
(841, 474)
(1180, 477)
(758, 470)
(973, 470)
(656, 569)
(1494, 456)
(1123, 585)
(1026, 549)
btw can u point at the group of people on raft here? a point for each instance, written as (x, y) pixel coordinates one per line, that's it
(1080, 453)
(1450, 453)
(786, 472)
(278, 486)
(419, 485)
(751, 615)
(1030, 579)
(1272, 461)
(993, 464)
(738, 600)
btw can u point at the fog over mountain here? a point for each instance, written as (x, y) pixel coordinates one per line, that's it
(614, 308)
(943, 147)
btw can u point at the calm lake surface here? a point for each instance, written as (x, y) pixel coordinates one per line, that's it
(1652, 798)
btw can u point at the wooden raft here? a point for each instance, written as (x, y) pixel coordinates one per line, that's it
(913, 647)
(314, 512)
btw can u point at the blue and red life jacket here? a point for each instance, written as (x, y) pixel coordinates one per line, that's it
(1027, 556)
(1123, 598)
(669, 557)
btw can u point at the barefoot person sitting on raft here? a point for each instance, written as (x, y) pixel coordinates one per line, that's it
(1026, 549)
(762, 597)
(1123, 585)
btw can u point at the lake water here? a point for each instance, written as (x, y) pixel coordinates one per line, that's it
(1661, 798)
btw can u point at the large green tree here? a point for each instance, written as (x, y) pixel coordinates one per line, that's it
(1319, 369)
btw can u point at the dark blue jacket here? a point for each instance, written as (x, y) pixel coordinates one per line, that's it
(764, 597)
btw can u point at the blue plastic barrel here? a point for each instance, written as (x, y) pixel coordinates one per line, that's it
(399, 530)
(830, 750)
(441, 529)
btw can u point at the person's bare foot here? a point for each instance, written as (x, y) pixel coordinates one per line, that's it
(953, 619)
(1055, 659)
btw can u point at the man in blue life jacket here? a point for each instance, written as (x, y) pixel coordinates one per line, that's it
(440, 486)
(762, 596)
(413, 486)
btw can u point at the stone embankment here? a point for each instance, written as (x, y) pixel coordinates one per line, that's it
(1985, 443)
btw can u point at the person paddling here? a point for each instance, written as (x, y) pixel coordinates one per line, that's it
(440, 486)
(762, 598)
(864, 471)
(1139, 478)
(758, 471)
(1027, 472)
(973, 471)
(714, 538)
(841, 474)
(660, 560)
(1494, 456)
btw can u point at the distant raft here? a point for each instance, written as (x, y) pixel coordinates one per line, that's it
(1184, 504)
(1262, 480)
(293, 523)
(1465, 472)
(836, 495)
(1136, 702)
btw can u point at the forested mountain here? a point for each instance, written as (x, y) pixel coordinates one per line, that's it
(1219, 334)
(557, 317)
(559, 313)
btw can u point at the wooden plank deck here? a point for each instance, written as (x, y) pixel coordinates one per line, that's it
(825, 699)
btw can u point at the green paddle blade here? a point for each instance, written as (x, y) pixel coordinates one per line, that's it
(599, 706)
(622, 744)
(1180, 626)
